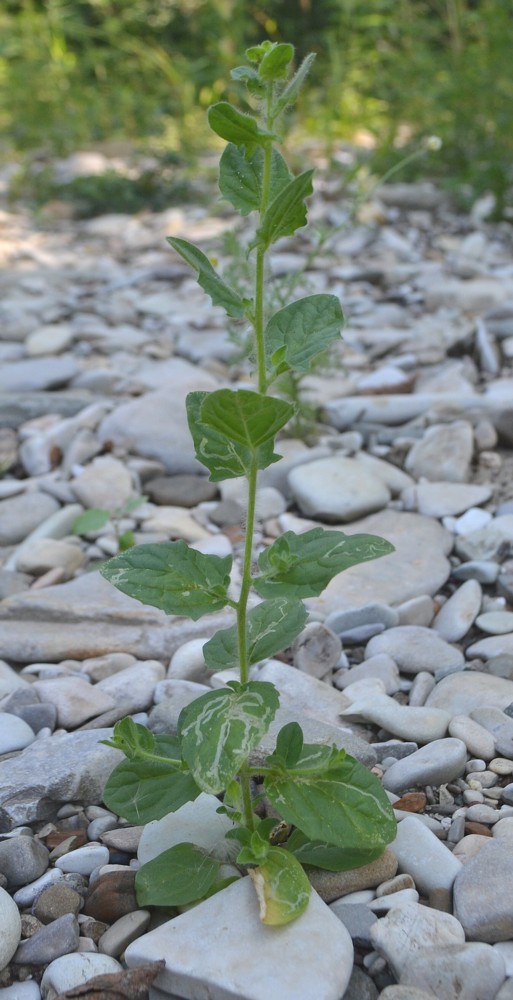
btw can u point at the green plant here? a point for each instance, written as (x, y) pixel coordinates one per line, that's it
(333, 812)
(96, 518)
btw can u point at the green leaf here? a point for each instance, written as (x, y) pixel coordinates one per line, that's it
(132, 504)
(275, 62)
(173, 577)
(271, 627)
(181, 875)
(287, 211)
(134, 740)
(290, 92)
(220, 729)
(339, 802)
(91, 520)
(143, 790)
(303, 329)
(236, 127)
(303, 565)
(240, 177)
(282, 888)
(231, 429)
(289, 743)
(332, 859)
(208, 279)
(126, 541)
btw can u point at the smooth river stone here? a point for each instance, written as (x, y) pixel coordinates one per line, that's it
(423, 856)
(457, 615)
(495, 645)
(483, 894)
(311, 957)
(418, 723)
(418, 566)
(408, 929)
(457, 972)
(444, 499)
(461, 693)
(496, 622)
(415, 649)
(434, 764)
(337, 489)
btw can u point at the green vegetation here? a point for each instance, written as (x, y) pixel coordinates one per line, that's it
(76, 73)
(332, 812)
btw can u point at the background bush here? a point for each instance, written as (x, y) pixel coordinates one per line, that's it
(76, 73)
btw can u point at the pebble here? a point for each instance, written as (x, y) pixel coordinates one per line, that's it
(10, 924)
(381, 666)
(60, 937)
(55, 901)
(495, 622)
(84, 860)
(411, 928)
(438, 762)
(22, 859)
(458, 614)
(21, 514)
(462, 693)
(476, 738)
(419, 724)
(335, 885)
(423, 856)
(337, 490)
(483, 891)
(445, 452)
(404, 993)
(15, 734)
(414, 648)
(453, 972)
(71, 971)
(443, 499)
(123, 931)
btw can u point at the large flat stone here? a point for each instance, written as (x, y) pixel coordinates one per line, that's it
(419, 564)
(89, 617)
(220, 950)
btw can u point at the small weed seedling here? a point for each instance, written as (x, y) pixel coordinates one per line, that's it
(333, 812)
(96, 518)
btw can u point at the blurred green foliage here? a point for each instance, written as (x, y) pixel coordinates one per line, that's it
(75, 73)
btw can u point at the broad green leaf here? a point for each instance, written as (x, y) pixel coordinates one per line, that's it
(303, 329)
(275, 62)
(220, 728)
(257, 52)
(282, 888)
(240, 177)
(271, 627)
(208, 279)
(181, 875)
(143, 790)
(339, 803)
(287, 211)
(91, 520)
(289, 743)
(133, 739)
(173, 577)
(232, 429)
(303, 565)
(234, 126)
(290, 92)
(332, 859)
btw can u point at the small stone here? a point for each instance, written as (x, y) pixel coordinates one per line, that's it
(55, 901)
(76, 700)
(482, 814)
(443, 499)
(386, 903)
(440, 761)
(15, 734)
(469, 846)
(29, 990)
(84, 860)
(104, 483)
(360, 986)
(46, 554)
(188, 663)
(456, 972)
(418, 611)
(181, 491)
(411, 928)
(483, 572)
(22, 859)
(273, 963)
(444, 453)
(380, 666)
(396, 884)
(414, 648)
(337, 490)
(334, 885)
(461, 693)
(357, 919)
(368, 614)
(495, 622)
(501, 766)
(423, 856)
(419, 724)
(476, 738)
(422, 686)
(499, 724)
(58, 938)
(458, 614)
(134, 686)
(10, 928)
(317, 650)
(483, 894)
(404, 993)
(414, 802)
(112, 896)
(125, 930)
(20, 515)
(72, 971)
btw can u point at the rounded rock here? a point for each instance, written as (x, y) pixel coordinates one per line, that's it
(84, 859)
(458, 614)
(457, 972)
(337, 489)
(415, 649)
(10, 928)
(438, 762)
(15, 733)
(70, 971)
(22, 860)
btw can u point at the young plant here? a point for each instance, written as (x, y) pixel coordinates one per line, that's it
(333, 812)
(96, 518)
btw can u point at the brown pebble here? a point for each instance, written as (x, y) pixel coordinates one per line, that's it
(55, 901)
(111, 896)
(414, 802)
(93, 929)
(333, 885)
(124, 839)
(441, 899)
(472, 827)
(56, 837)
(30, 925)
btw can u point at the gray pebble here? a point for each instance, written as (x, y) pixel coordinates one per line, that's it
(22, 859)
(438, 762)
(56, 939)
